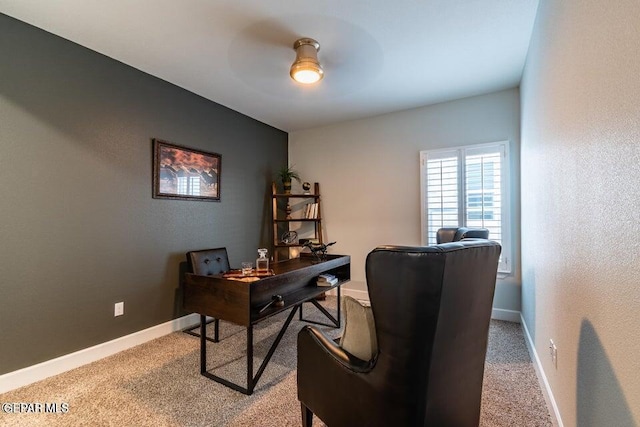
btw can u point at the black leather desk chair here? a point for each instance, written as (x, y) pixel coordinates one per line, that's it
(207, 262)
(431, 307)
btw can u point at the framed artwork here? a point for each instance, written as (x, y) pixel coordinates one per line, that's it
(185, 173)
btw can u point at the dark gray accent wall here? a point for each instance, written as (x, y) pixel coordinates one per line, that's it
(79, 230)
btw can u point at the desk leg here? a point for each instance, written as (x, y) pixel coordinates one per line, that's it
(275, 343)
(335, 322)
(250, 382)
(191, 329)
(203, 344)
(339, 306)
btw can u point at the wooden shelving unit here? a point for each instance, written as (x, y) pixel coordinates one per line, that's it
(282, 219)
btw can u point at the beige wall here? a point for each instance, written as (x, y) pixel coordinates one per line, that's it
(369, 172)
(581, 206)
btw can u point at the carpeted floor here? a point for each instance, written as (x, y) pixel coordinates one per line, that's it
(158, 384)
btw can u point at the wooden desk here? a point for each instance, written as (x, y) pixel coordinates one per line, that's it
(240, 302)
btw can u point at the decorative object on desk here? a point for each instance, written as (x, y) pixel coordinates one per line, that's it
(294, 252)
(185, 173)
(287, 211)
(254, 275)
(319, 250)
(289, 237)
(262, 263)
(286, 174)
(306, 187)
(247, 268)
(276, 301)
(247, 279)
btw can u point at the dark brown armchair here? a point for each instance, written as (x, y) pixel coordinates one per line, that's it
(206, 262)
(431, 306)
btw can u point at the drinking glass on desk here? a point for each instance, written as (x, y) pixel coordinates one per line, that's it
(246, 268)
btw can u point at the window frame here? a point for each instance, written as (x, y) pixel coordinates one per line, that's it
(461, 152)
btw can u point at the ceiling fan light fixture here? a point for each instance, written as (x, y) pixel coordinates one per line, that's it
(306, 69)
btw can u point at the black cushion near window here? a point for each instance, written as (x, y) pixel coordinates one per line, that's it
(455, 234)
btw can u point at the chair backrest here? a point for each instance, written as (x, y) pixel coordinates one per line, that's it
(206, 262)
(432, 307)
(455, 234)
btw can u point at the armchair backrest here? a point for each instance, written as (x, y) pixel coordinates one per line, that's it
(206, 262)
(432, 307)
(455, 234)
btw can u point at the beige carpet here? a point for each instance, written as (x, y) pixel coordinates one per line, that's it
(158, 384)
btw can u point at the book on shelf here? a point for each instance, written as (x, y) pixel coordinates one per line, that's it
(310, 211)
(326, 280)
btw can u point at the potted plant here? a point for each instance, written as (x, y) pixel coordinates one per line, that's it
(286, 174)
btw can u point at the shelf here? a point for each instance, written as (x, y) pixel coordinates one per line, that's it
(299, 296)
(278, 202)
(300, 196)
(298, 220)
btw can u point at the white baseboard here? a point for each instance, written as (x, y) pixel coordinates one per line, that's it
(359, 295)
(496, 313)
(542, 377)
(507, 315)
(32, 374)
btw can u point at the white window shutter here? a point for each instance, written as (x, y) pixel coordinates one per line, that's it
(467, 186)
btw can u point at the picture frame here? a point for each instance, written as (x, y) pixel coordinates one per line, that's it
(184, 173)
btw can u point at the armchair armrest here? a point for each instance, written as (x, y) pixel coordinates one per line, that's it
(328, 374)
(309, 335)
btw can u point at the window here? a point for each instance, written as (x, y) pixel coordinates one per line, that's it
(467, 187)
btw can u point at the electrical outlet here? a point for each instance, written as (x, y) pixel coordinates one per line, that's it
(118, 309)
(553, 352)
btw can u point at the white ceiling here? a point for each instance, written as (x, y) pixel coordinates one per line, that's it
(378, 55)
